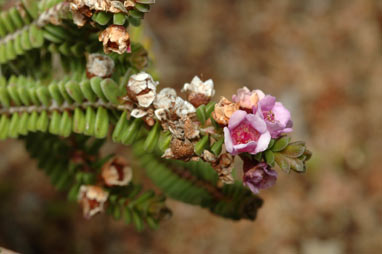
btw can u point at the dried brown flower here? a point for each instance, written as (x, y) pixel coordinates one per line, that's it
(224, 110)
(115, 39)
(116, 172)
(223, 166)
(92, 199)
(190, 129)
(199, 92)
(182, 149)
(141, 89)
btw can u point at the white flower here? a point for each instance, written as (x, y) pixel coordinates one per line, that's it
(183, 108)
(92, 199)
(165, 99)
(142, 89)
(138, 113)
(205, 88)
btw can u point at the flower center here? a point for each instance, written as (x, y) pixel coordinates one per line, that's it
(269, 116)
(244, 133)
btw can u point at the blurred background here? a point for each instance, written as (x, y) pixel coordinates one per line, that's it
(321, 58)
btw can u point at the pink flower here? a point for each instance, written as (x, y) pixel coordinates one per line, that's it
(246, 133)
(258, 176)
(247, 99)
(276, 116)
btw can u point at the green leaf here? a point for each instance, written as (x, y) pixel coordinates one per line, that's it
(87, 91)
(111, 90)
(269, 157)
(90, 121)
(55, 123)
(217, 146)
(132, 132)
(120, 127)
(79, 121)
(294, 150)
(101, 123)
(66, 124)
(4, 127)
(43, 122)
(152, 138)
(137, 220)
(95, 84)
(164, 141)
(282, 162)
(74, 91)
(201, 145)
(201, 114)
(281, 144)
(43, 95)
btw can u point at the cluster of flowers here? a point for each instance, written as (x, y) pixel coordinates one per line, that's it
(115, 172)
(251, 121)
(178, 116)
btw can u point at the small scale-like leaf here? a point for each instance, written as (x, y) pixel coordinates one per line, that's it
(217, 146)
(294, 150)
(131, 132)
(79, 121)
(283, 162)
(120, 127)
(101, 127)
(55, 123)
(43, 122)
(43, 95)
(201, 114)
(201, 145)
(90, 121)
(280, 144)
(164, 141)
(87, 91)
(95, 84)
(111, 90)
(66, 124)
(74, 91)
(269, 157)
(152, 138)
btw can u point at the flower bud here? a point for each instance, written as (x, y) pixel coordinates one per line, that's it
(92, 199)
(116, 172)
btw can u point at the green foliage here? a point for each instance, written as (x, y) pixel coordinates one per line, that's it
(196, 183)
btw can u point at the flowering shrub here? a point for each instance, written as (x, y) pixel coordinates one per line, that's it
(187, 144)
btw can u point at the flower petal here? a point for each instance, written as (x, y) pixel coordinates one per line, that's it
(228, 141)
(263, 142)
(236, 118)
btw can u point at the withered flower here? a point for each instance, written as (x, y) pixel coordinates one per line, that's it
(164, 104)
(190, 129)
(199, 92)
(141, 88)
(99, 65)
(92, 199)
(115, 39)
(224, 110)
(183, 108)
(182, 149)
(116, 172)
(224, 166)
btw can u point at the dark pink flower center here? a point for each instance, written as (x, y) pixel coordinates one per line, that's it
(244, 133)
(269, 116)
